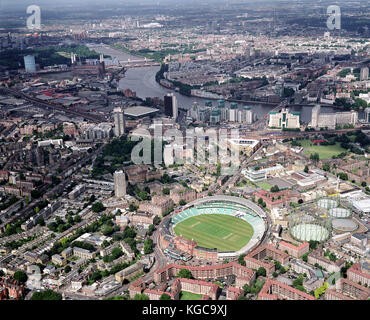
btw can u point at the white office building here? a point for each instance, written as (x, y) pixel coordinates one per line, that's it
(119, 184)
(119, 122)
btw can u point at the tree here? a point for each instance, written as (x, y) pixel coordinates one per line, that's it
(313, 244)
(96, 276)
(35, 194)
(319, 291)
(275, 189)
(315, 157)
(150, 229)
(343, 176)
(277, 264)
(166, 191)
(298, 282)
(148, 246)
(246, 288)
(105, 244)
(241, 259)
(97, 207)
(282, 270)
(305, 169)
(261, 272)
(20, 276)
(141, 297)
(67, 269)
(326, 167)
(274, 274)
(185, 273)
(132, 207)
(41, 222)
(182, 202)
(129, 233)
(107, 230)
(46, 295)
(164, 296)
(70, 220)
(305, 257)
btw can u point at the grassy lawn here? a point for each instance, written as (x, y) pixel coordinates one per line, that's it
(264, 185)
(184, 295)
(335, 276)
(325, 152)
(224, 232)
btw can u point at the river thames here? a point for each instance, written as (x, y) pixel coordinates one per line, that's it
(142, 81)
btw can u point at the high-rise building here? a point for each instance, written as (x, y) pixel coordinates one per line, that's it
(284, 119)
(364, 74)
(29, 63)
(215, 116)
(367, 115)
(248, 115)
(331, 120)
(119, 184)
(315, 116)
(279, 87)
(232, 115)
(170, 106)
(119, 122)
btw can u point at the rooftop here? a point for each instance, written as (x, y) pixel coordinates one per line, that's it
(139, 111)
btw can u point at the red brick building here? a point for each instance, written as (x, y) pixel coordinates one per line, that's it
(70, 129)
(187, 195)
(348, 290)
(233, 293)
(11, 290)
(254, 260)
(141, 173)
(4, 175)
(207, 272)
(277, 199)
(275, 290)
(157, 206)
(358, 274)
(198, 287)
(143, 218)
(295, 251)
(129, 93)
(185, 245)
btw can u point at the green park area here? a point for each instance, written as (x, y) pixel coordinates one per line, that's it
(264, 185)
(46, 56)
(333, 278)
(325, 152)
(184, 295)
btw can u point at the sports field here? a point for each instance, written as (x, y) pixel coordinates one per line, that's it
(224, 232)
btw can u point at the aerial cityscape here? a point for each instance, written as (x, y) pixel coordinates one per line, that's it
(184, 150)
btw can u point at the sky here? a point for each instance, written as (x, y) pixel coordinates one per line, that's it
(19, 4)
